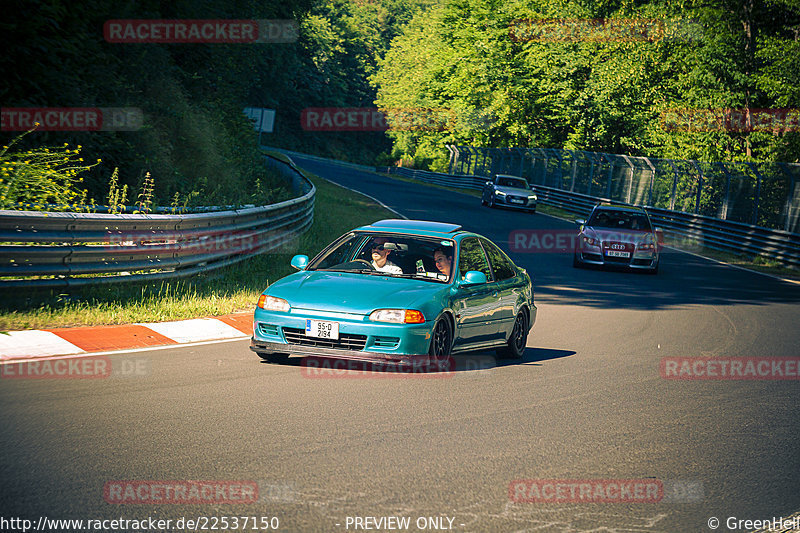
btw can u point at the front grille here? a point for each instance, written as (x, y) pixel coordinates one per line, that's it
(346, 341)
(386, 342)
(620, 247)
(517, 200)
(268, 329)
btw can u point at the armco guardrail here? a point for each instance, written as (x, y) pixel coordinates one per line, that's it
(60, 250)
(346, 164)
(764, 194)
(447, 180)
(713, 233)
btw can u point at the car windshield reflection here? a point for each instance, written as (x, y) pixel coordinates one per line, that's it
(377, 254)
(620, 220)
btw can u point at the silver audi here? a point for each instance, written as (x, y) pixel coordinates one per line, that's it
(618, 235)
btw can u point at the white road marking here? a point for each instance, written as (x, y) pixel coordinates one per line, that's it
(34, 343)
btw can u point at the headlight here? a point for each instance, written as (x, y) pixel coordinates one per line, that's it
(500, 193)
(532, 197)
(397, 316)
(590, 241)
(270, 303)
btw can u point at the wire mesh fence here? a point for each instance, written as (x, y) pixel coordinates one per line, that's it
(760, 194)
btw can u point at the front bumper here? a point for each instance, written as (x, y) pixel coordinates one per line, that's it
(359, 338)
(515, 202)
(637, 260)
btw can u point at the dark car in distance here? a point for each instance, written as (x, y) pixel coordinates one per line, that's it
(509, 191)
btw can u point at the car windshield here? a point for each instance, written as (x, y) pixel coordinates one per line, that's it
(405, 256)
(519, 183)
(628, 220)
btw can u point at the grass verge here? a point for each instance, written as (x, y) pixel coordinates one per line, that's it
(228, 290)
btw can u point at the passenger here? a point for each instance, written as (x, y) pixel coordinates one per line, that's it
(443, 260)
(380, 258)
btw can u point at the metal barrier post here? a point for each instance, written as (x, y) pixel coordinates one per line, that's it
(757, 194)
(724, 215)
(699, 187)
(610, 174)
(674, 185)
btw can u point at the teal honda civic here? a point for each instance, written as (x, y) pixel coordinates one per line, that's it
(397, 292)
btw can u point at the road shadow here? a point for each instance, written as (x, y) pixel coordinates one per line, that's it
(459, 363)
(683, 280)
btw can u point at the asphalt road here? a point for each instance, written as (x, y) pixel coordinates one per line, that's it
(588, 402)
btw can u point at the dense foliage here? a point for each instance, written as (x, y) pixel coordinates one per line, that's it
(469, 64)
(612, 94)
(195, 141)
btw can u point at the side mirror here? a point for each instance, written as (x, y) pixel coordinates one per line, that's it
(580, 222)
(488, 183)
(300, 262)
(473, 277)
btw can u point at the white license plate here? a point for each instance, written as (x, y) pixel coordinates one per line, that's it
(614, 253)
(517, 201)
(322, 329)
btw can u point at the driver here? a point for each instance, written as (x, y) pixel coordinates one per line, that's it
(380, 261)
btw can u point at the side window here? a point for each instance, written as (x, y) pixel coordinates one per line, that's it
(471, 257)
(501, 267)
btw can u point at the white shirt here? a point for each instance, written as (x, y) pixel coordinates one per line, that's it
(389, 268)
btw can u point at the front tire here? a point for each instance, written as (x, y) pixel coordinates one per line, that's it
(515, 346)
(441, 344)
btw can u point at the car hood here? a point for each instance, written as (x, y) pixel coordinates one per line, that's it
(618, 235)
(513, 190)
(347, 292)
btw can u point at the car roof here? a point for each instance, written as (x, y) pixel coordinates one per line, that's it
(619, 207)
(419, 227)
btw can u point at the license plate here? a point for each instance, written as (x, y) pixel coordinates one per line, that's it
(517, 201)
(614, 253)
(322, 329)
